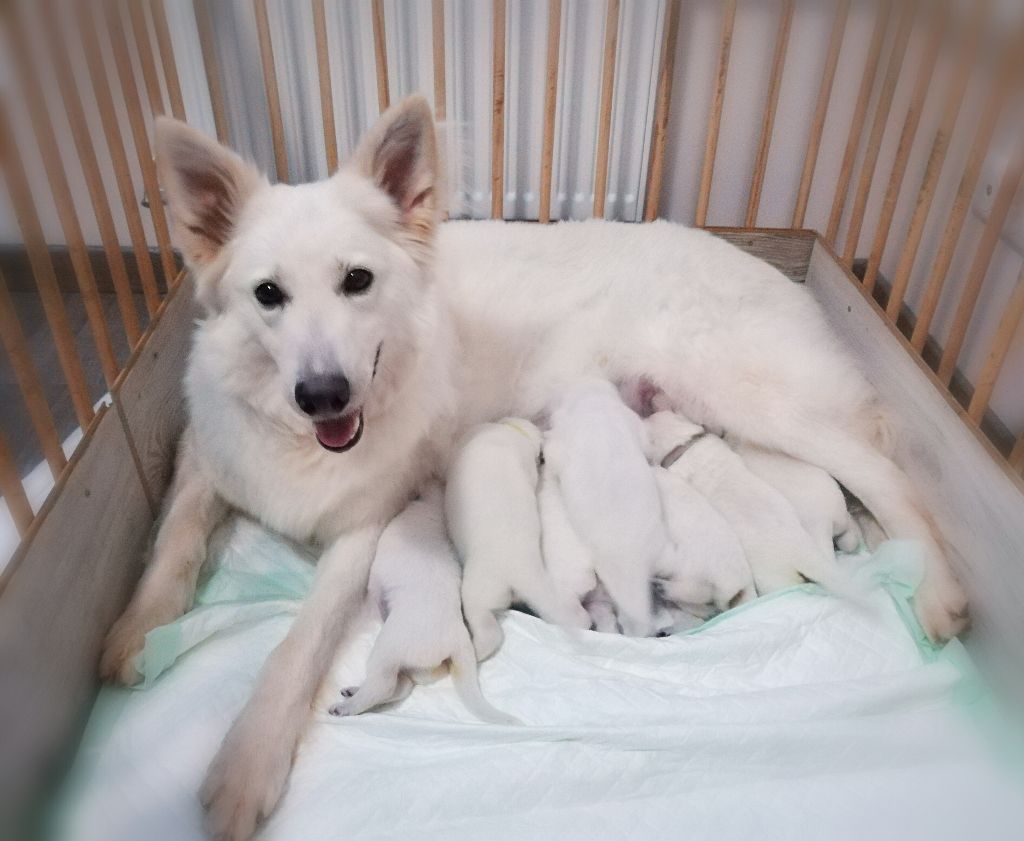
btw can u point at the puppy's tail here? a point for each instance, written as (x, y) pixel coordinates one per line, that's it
(467, 685)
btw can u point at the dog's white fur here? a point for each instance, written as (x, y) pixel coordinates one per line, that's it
(815, 496)
(493, 520)
(415, 580)
(595, 451)
(475, 321)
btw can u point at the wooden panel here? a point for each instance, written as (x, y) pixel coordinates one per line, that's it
(323, 67)
(62, 590)
(550, 101)
(498, 112)
(707, 174)
(604, 127)
(150, 396)
(787, 250)
(271, 89)
(666, 72)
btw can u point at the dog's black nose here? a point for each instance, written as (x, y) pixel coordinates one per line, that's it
(322, 394)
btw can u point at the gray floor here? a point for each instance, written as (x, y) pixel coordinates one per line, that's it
(14, 419)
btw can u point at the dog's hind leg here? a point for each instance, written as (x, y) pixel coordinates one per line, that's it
(552, 604)
(380, 687)
(629, 588)
(485, 630)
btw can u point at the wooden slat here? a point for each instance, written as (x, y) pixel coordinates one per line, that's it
(1017, 456)
(91, 170)
(60, 189)
(666, 72)
(19, 357)
(604, 128)
(440, 86)
(118, 156)
(271, 89)
(498, 112)
(208, 46)
(878, 125)
(323, 64)
(140, 137)
(835, 44)
(936, 158)
(42, 271)
(771, 106)
(906, 142)
(715, 119)
(144, 50)
(550, 102)
(380, 54)
(11, 489)
(860, 110)
(170, 66)
(998, 349)
(1000, 211)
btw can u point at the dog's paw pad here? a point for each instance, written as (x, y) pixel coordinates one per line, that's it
(338, 710)
(348, 691)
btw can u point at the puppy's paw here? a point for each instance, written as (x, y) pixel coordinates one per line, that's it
(941, 607)
(340, 709)
(122, 646)
(348, 691)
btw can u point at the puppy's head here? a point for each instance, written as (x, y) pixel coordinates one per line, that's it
(317, 295)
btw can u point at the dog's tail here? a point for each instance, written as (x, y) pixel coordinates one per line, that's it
(467, 685)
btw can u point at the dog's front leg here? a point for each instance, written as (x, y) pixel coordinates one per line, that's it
(248, 775)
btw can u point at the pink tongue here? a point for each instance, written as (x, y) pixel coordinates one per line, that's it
(337, 432)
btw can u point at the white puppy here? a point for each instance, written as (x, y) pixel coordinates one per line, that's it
(595, 451)
(493, 520)
(415, 581)
(815, 496)
(779, 551)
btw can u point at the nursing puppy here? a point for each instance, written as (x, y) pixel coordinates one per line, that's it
(491, 509)
(815, 496)
(780, 553)
(595, 451)
(415, 580)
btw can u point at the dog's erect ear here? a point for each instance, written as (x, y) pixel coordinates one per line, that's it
(206, 185)
(400, 156)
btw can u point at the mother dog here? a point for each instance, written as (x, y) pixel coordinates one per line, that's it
(349, 337)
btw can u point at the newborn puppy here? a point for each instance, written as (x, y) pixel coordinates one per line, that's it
(815, 496)
(415, 581)
(493, 520)
(595, 451)
(704, 569)
(779, 551)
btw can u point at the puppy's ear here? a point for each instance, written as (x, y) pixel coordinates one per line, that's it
(206, 185)
(400, 156)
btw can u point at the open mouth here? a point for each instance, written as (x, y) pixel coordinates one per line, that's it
(340, 434)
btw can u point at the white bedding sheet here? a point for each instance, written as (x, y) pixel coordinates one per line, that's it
(798, 716)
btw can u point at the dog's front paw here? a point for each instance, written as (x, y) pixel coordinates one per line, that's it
(941, 607)
(245, 782)
(122, 645)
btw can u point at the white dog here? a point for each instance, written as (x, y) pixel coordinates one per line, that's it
(780, 553)
(415, 580)
(595, 452)
(491, 508)
(349, 338)
(815, 496)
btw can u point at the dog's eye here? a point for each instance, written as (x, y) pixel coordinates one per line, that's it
(357, 281)
(269, 295)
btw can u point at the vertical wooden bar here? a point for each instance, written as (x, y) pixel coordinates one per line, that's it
(42, 271)
(118, 157)
(91, 170)
(440, 86)
(60, 189)
(906, 143)
(380, 53)
(666, 72)
(550, 102)
(771, 106)
(1017, 456)
(498, 112)
(12, 490)
(715, 120)
(604, 130)
(1008, 187)
(170, 66)
(207, 44)
(144, 50)
(835, 45)
(140, 136)
(874, 147)
(1000, 346)
(271, 89)
(860, 111)
(20, 357)
(323, 64)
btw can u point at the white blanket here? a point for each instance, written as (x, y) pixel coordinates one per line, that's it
(798, 716)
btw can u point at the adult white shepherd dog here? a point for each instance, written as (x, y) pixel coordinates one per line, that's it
(349, 336)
